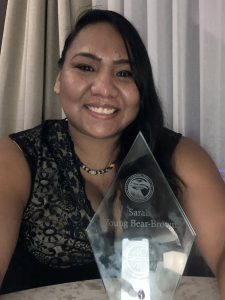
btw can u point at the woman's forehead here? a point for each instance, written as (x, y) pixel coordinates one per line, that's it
(99, 38)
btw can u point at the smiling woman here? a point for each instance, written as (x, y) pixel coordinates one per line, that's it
(54, 176)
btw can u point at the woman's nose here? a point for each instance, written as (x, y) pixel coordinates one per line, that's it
(104, 86)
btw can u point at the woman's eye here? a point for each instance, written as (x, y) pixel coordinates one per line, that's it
(85, 68)
(124, 73)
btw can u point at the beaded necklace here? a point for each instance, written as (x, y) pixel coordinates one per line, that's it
(110, 166)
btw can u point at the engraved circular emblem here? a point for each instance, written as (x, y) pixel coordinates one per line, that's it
(139, 188)
(136, 255)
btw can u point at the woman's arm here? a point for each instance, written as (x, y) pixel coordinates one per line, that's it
(203, 200)
(15, 183)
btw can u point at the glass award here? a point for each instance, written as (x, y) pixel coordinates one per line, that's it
(140, 235)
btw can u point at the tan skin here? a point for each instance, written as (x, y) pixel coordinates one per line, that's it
(100, 99)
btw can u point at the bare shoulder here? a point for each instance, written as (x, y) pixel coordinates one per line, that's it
(8, 147)
(10, 154)
(14, 169)
(194, 165)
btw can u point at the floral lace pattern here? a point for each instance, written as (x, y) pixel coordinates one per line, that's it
(58, 212)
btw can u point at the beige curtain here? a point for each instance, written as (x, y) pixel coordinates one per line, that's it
(32, 40)
(186, 43)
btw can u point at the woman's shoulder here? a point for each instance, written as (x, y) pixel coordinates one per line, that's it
(14, 170)
(188, 150)
(193, 163)
(8, 148)
(184, 147)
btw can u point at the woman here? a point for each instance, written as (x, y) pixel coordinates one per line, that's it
(54, 176)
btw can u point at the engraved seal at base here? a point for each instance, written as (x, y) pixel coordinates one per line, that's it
(135, 256)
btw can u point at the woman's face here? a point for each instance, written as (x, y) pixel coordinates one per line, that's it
(97, 91)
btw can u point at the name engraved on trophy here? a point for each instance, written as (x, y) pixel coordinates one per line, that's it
(119, 223)
(138, 213)
(152, 223)
(133, 223)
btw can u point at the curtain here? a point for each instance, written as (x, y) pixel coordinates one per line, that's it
(32, 40)
(185, 41)
(3, 5)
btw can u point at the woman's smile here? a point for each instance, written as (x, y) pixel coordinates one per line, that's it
(101, 110)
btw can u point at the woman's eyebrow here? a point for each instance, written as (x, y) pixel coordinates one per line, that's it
(88, 55)
(96, 58)
(122, 61)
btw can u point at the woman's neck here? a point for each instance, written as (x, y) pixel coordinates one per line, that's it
(94, 152)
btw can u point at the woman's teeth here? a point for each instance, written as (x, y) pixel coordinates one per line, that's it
(101, 110)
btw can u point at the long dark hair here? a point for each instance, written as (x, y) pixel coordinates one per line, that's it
(150, 117)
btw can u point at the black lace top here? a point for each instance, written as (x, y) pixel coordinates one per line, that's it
(53, 246)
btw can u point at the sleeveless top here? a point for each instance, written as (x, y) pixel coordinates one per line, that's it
(53, 246)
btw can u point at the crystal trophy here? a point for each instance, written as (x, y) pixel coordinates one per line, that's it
(140, 235)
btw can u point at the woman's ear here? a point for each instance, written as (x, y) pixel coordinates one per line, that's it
(57, 84)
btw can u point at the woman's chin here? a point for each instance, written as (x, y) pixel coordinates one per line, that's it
(98, 132)
(104, 134)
